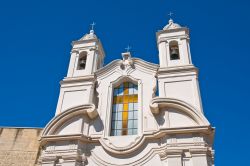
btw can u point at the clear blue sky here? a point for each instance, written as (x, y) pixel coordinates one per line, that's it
(35, 44)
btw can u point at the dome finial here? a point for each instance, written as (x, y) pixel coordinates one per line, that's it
(91, 31)
(91, 34)
(171, 24)
(170, 21)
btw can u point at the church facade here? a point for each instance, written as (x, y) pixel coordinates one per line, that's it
(129, 112)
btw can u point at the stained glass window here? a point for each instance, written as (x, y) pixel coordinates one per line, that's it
(125, 110)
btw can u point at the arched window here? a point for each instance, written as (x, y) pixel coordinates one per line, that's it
(125, 110)
(174, 50)
(82, 61)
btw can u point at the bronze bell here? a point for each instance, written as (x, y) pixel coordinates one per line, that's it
(82, 63)
(174, 53)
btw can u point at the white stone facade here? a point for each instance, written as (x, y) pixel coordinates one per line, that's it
(171, 128)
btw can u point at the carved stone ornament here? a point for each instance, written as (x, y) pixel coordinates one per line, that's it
(118, 145)
(127, 62)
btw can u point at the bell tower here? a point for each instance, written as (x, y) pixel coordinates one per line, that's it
(177, 76)
(173, 45)
(87, 56)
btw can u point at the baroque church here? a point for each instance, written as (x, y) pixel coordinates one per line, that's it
(129, 112)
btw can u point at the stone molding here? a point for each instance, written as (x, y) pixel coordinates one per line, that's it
(164, 151)
(172, 30)
(73, 153)
(133, 145)
(86, 109)
(117, 63)
(68, 137)
(88, 78)
(178, 69)
(158, 103)
(161, 133)
(85, 41)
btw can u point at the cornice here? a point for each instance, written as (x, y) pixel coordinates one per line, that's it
(107, 68)
(139, 141)
(178, 69)
(172, 30)
(87, 78)
(207, 129)
(174, 37)
(84, 41)
(148, 65)
(174, 152)
(52, 138)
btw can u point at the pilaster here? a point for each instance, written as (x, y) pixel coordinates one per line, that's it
(174, 157)
(199, 156)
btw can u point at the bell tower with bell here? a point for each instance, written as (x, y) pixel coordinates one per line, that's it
(173, 44)
(177, 76)
(87, 56)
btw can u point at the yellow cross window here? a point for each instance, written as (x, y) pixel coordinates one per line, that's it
(125, 110)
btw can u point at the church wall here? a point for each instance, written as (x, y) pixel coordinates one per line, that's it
(19, 146)
(187, 85)
(73, 94)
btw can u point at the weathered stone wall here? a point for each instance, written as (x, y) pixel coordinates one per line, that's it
(19, 146)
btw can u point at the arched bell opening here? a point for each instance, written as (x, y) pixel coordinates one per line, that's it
(174, 50)
(82, 61)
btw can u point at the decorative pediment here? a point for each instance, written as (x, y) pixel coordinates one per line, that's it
(126, 66)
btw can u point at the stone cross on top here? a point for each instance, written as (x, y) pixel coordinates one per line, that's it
(128, 48)
(170, 14)
(92, 25)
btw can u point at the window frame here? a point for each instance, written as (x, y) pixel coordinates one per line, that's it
(128, 113)
(108, 120)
